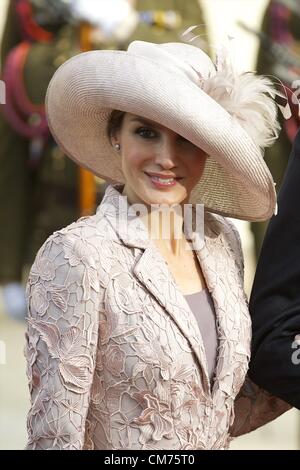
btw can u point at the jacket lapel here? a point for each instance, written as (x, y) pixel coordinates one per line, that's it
(152, 271)
(218, 263)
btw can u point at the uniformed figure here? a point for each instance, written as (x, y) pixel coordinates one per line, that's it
(39, 186)
(279, 56)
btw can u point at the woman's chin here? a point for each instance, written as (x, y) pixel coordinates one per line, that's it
(157, 197)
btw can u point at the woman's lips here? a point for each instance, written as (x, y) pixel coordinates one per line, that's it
(158, 182)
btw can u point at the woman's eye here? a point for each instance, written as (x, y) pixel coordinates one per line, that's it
(146, 133)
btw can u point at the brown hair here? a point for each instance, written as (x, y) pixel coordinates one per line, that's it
(114, 123)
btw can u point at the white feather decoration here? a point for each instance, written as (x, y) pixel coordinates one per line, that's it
(249, 98)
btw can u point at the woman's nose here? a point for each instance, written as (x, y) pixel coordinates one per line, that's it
(166, 154)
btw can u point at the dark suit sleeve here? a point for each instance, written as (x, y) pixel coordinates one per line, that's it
(275, 298)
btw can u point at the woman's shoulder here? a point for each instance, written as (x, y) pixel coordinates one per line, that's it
(219, 227)
(83, 242)
(219, 224)
(90, 226)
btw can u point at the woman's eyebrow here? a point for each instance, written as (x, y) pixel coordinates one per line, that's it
(146, 122)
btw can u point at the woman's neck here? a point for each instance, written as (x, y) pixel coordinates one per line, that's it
(164, 225)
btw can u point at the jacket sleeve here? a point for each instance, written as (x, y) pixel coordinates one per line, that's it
(61, 342)
(253, 406)
(275, 297)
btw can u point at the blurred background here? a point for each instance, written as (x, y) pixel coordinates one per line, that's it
(42, 191)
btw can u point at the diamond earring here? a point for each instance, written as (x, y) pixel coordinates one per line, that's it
(118, 147)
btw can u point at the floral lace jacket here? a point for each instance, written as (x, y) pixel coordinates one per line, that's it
(115, 358)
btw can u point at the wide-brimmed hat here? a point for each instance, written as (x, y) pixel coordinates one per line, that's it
(231, 116)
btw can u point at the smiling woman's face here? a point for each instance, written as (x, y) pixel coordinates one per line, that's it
(148, 148)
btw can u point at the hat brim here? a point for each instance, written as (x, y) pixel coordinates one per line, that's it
(83, 92)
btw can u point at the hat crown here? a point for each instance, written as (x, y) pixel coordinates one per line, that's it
(188, 60)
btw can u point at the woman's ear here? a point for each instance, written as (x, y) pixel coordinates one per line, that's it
(115, 138)
(114, 142)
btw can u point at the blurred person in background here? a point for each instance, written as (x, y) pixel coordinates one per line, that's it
(39, 186)
(279, 58)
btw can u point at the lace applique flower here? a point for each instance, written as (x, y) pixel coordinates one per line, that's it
(39, 300)
(115, 360)
(74, 367)
(155, 421)
(44, 268)
(30, 353)
(77, 251)
(41, 297)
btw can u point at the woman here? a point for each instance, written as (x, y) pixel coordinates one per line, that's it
(139, 338)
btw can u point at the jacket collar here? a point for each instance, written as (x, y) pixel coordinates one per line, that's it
(152, 271)
(130, 229)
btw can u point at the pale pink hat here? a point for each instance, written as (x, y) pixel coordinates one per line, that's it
(231, 116)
